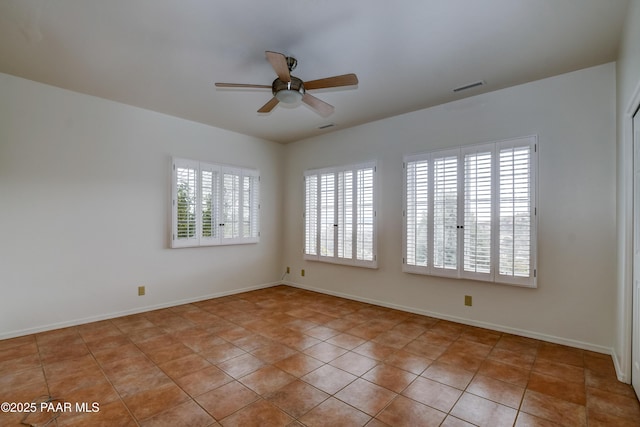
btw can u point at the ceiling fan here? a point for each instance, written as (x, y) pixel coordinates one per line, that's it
(289, 89)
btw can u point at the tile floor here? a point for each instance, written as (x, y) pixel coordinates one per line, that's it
(285, 357)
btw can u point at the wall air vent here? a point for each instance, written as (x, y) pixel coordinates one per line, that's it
(469, 86)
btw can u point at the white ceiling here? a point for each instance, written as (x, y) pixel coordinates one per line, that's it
(165, 55)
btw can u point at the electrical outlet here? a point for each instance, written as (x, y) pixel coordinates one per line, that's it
(302, 272)
(288, 270)
(468, 300)
(141, 290)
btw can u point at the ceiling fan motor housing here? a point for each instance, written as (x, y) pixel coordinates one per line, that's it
(288, 92)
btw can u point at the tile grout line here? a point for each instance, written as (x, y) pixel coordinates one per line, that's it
(105, 374)
(237, 322)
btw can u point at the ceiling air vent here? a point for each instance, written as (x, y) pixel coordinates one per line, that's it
(469, 86)
(328, 125)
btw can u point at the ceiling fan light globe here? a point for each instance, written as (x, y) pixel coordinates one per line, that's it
(289, 92)
(289, 96)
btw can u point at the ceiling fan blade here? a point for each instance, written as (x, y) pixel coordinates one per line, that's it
(266, 108)
(336, 81)
(321, 107)
(243, 85)
(279, 63)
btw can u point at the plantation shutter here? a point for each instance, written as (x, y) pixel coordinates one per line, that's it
(230, 205)
(209, 199)
(445, 212)
(470, 212)
(311, 215)
(478, 211)
(327, 214)
(417, 211)
(251, 206)
(185, 203)
(345, 214)
(339, 215)
(516, 211)
(214, 204)
(240, 205)
(365, 215)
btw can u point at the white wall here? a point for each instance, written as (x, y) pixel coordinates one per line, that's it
(85, 188)
(628, 98)
(574, 117)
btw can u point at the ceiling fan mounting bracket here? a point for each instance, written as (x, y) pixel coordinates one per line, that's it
(292, 63)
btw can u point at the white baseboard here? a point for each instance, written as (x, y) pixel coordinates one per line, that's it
(620, 372)
(465, 321)
(106, 316)
(515, 331)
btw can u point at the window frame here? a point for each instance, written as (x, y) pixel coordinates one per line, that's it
(221, 233)
(419, 258)
(345, 215)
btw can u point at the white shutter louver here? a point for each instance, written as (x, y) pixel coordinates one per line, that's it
(478, 210)
(445, 211)
(231, 205)
(185, 203)
(516, 222)
(365, 215)
(417, 212)
(209, 202)
(254, 207)
(249, 206)
(327, 214)
(345, 214)
(311, 215)
(245, 230)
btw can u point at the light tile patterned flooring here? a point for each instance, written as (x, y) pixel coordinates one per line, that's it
(284, 356)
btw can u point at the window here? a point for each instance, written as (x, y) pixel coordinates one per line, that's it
(213, 204)
(470, 212)
(340, 215)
